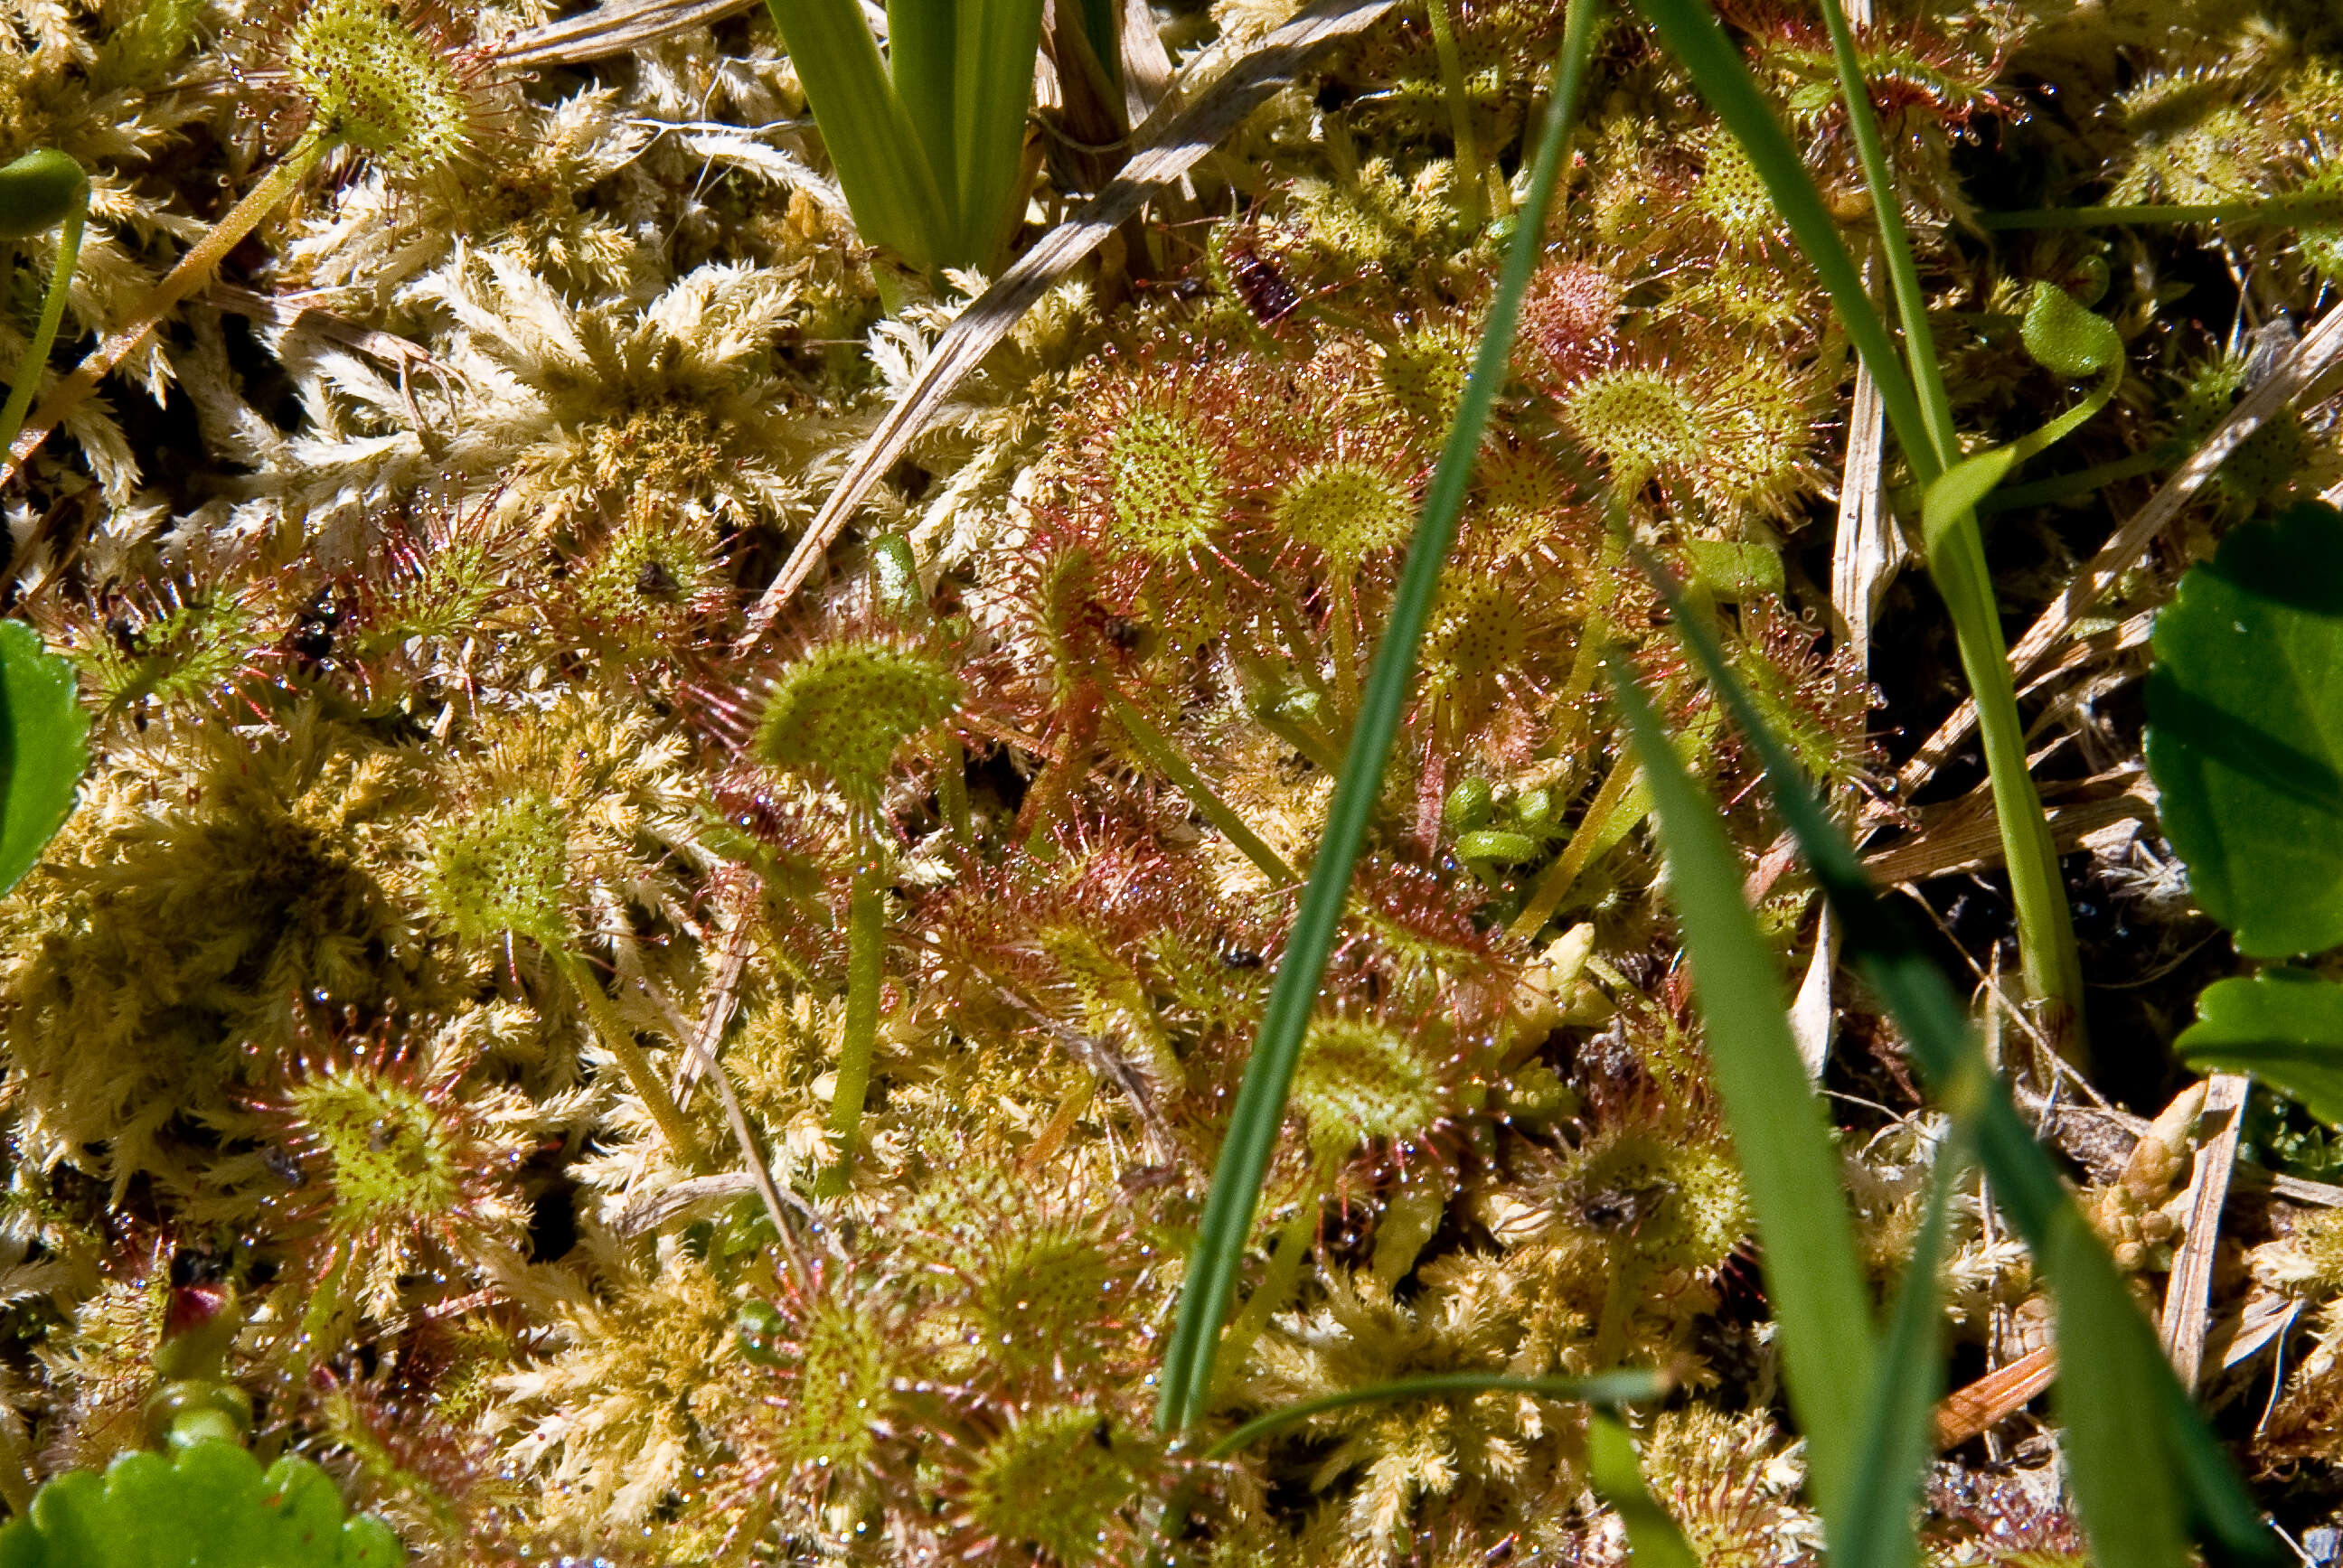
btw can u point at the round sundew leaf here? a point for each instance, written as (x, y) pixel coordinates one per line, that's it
(210, 1506)
(2283, 1026)
(2246, 732)
(42, 748)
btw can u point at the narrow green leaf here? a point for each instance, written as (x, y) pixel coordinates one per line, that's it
(2129, 1480)
(43, 749)
(1602, 1389)
(998, 40)
(1781, 1132)
(1227, 1222)
(1654, 1541)
(2283, 1026)
(2245, 736)
(1874, 1527)
(922, 53)
(897, 199)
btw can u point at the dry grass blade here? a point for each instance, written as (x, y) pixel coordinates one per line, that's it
(608, 30)
(1165, 151)
(1867, 550)
(2187, 1294)
(2319, 348)
(1976, 1408)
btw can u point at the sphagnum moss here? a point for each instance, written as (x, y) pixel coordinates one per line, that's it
(422, 785)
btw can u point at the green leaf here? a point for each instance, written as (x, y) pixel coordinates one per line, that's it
(997, 42)
(896, 197)
(1653, 1538)
(42, 749)
(1780, 1129)
(2246, 732)
(2065, 337)
(209, 1506)
(1227, 1222)
(2283, 1026)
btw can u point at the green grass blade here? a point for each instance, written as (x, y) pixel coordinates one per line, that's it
(2133, 1469)
(923, 40)
(1874, 1528)
(1602, 1389)
(999, 41)
(1920, 413)
(1781, 1133)
(1654, 1541)
(1227, 1222)
(897, 199)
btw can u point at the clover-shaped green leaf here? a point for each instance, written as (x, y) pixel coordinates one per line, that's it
(2246, 732)
(209, 1506)
(2283, 1026)
(42, 753)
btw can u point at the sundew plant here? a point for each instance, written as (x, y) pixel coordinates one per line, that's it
(1362, 785)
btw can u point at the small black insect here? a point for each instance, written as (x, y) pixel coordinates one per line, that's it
(1621, 1209)
(654, 581)
(1263, 288)
(311, 640)
(1240, 959)
(1123, 633)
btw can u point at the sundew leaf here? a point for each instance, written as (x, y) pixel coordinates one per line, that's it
(2283, 1026)
(42, 748)
(209, 1506)
(2246, 732)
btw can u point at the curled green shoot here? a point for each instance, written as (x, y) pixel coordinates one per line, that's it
(43, 189)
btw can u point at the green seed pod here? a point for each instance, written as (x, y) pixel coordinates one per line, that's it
(757, 1328)
(1468, 806)
(1498, 845)
(40, 191)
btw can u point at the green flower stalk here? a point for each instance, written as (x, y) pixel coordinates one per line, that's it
(839, 716)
